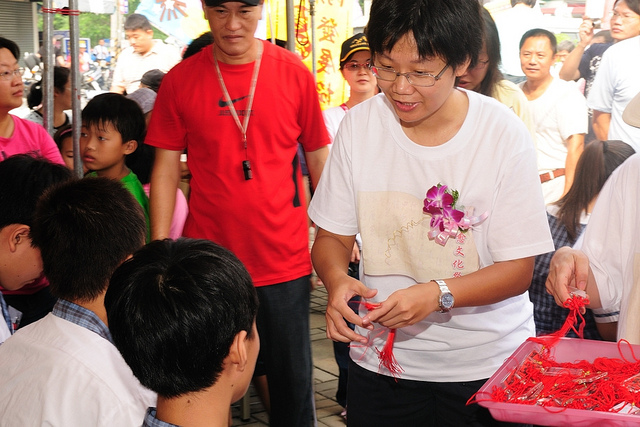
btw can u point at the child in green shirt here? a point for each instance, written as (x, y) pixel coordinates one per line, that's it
(112, 128)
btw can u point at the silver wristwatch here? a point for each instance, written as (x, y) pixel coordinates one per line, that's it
(445, 300)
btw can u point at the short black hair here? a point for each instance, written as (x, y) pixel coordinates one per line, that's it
(540, 32)
(135, 21)
(197, 44)
(174, 309)
(123, 113)
(11, 45)
(23, 179)
(84, 229)
(449, 29)
(60, 79)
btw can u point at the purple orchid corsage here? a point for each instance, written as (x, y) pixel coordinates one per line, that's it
(446, 220)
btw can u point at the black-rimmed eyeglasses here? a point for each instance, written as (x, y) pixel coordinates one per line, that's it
(415, 78)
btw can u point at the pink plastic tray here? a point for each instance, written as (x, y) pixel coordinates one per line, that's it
(567, 350)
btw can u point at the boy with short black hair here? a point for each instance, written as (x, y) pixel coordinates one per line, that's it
(23, 179)
(84, 230)
(112, 128)
(182, 313)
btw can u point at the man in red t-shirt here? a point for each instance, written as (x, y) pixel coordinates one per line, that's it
(240, 107)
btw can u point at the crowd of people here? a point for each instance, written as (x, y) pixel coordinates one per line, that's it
(447, 191)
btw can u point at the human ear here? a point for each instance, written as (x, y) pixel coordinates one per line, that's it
(19, 235)
(130, 146)
(238, 353)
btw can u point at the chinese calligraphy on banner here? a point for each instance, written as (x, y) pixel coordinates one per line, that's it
(333, 26)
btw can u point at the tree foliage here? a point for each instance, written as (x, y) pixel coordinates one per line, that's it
(94, 26)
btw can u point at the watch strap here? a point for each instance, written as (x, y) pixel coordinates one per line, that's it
(446, 293)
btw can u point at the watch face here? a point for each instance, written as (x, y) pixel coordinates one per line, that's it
(446, 301)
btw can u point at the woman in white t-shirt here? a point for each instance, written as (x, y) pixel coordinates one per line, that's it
(444, 276)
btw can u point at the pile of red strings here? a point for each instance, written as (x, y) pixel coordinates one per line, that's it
(605, 384)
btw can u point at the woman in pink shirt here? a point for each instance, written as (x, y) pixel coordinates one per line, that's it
(19, 136)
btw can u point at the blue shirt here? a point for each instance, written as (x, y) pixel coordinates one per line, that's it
(150, 420)
(82, 317)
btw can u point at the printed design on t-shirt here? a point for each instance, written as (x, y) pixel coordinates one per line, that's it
(222, 103)
(594, 64)
(396, 241)
(226, 111)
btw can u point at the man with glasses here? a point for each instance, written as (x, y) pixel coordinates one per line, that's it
(19, 136)
(559, 114)
(585, 60)
(617, 80)
(433, 328)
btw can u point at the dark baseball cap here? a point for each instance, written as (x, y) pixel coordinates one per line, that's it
(212, 3)
(352, 45)
(152, 79)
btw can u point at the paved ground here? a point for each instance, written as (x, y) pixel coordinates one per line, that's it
(325, 374)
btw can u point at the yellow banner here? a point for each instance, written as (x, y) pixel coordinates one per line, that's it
(332, 26)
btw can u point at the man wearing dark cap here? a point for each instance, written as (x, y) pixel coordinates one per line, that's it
(241, 107)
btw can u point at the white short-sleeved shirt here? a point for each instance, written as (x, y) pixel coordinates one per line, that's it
(612, 243)
(130, 65)
(560, 112)
(332, 118)
(615, 84)
(375, 183)
(57, 373)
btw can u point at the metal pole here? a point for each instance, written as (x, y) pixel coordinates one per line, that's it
(291, 27)
(49, 61)
(75, 86)
(312, 12)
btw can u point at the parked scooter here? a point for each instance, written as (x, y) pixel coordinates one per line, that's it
(92, 81)
(32, 70)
